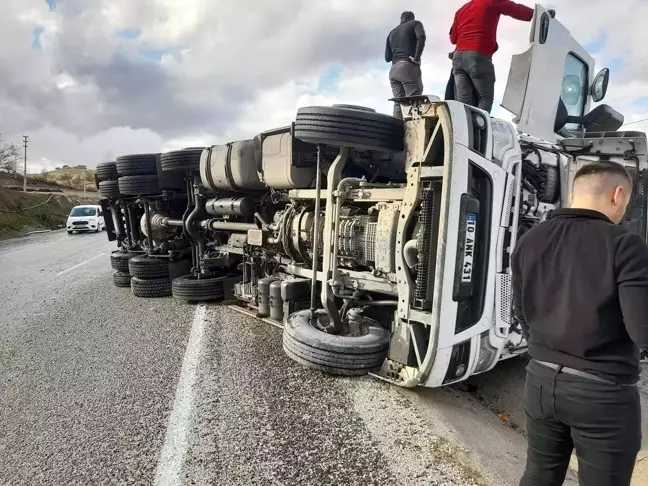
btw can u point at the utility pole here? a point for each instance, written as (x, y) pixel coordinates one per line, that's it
(85, 178)
(25, 137)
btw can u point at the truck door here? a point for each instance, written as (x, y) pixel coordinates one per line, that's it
(554, 67)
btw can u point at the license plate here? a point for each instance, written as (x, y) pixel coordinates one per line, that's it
(469, 248)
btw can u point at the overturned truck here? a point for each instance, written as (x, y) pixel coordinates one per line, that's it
(378, 245)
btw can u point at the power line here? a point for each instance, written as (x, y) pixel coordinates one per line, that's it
(27, 209)
(636, 121)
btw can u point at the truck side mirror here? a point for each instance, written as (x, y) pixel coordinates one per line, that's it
(600, 85)
(603, 118)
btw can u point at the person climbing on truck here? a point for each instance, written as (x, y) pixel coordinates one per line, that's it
(404, 49)
(474, 32)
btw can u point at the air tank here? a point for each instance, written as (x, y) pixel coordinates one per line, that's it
(276, 302)
(263, 298)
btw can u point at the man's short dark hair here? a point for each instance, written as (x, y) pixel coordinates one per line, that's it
(603, 174)
(407, 16)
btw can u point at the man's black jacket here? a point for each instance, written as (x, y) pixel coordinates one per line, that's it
(580, 291)
(405, 41)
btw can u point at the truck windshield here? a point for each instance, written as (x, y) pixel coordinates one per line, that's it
(574, 88)
(76, 212)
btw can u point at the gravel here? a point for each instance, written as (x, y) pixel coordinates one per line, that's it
(416, 454)
(262, 419)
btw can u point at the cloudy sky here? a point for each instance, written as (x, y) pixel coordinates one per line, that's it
(89, 80)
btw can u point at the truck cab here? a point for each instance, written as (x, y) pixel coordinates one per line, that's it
(493, 181)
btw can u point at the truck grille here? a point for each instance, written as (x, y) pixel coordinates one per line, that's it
(78, 223)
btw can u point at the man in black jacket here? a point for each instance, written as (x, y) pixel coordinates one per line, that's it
(404, 48)
(580, 293)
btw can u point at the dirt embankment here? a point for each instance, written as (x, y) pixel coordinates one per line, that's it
(23, 212)
(63, 181)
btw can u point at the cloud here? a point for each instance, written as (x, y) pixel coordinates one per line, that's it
(126, 76)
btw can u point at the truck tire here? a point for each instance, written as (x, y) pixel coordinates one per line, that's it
(119, 260)
(139, 185)
(191, 289)
(182, 160)
(335, 355)
(549, 189)
(149, 288)
(138, 164)
(356, 107)
(107, 171)
(143, 266)
(121, 279)
(349, 127)
(109, 189)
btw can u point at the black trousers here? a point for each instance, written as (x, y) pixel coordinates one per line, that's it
(601, 421)
(450, 88)
(405, 79)
(474, 76)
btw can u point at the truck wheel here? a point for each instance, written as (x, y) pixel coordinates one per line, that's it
(109, 189)
(335, 355)
(356, 107)
(119, 260)
(149, 288)
(349, 127)
(139, 185)
(138, 164)
(192, 289)
(121, 279)
(148, 267)
(107, 171)
(182, 160)
(549, 189)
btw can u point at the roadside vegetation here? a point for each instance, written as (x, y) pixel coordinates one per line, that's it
(21, 212)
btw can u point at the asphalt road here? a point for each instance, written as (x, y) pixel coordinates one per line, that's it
(100, 387)
(87, 372)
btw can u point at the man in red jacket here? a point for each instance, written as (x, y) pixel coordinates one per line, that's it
(474, 32)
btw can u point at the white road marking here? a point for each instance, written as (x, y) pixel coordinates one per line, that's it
(176, 439)
(65, 272)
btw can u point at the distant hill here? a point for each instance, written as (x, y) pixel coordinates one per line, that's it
(72, 178)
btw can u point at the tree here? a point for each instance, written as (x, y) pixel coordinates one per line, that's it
(9, 155)
(81, 167)
(43, 176)
(66, 179)
(66, 167)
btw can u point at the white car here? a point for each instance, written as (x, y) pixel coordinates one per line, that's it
(85, 218)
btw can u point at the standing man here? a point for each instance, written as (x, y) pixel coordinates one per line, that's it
(474, 32)
(404, 48)
(580, 293)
